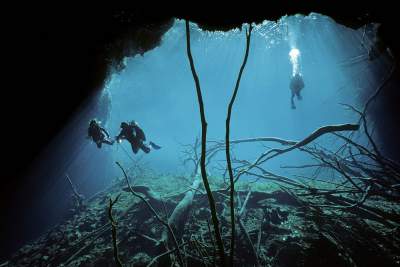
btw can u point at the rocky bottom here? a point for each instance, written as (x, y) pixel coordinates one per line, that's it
(274, 228)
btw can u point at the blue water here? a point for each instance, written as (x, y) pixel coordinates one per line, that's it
(157, 90)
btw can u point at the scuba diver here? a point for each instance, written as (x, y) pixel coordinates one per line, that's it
(135, 136)
(98, 134)
(296, 85)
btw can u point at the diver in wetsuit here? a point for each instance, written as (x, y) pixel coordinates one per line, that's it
(98, 134)
(296, 85)
(136, 137)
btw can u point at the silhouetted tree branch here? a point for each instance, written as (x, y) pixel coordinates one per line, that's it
(211, 200)
(227, 146)
(114, 230)
(317, 133)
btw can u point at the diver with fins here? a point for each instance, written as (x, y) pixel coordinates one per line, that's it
(129, 131)
(98, 134)
(296, 85)
(135, 136)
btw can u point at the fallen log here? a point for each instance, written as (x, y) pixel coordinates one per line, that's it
(180, 214)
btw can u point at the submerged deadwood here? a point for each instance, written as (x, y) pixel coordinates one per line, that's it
(153, 211)
(211, 200)
(114, 231)
(243, 229)
(179, 216)
(227, 146)
(317, 133)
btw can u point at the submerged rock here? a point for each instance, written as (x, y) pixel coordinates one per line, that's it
(282, 232)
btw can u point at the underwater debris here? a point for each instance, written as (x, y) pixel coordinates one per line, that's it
(291, 217)
(78, 199)
(241, 215)
(269, 154)
(157, 216)
(114, 231)
(310, 235)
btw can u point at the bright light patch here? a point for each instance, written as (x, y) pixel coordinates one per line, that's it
(294, 55)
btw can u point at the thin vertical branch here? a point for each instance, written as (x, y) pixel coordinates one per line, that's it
(211, 201)
(227, 146)
(114, 231)
(212, 242)
(72, 186)
(241, 214)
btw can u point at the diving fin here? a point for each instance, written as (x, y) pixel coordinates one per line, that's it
(154, 146)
